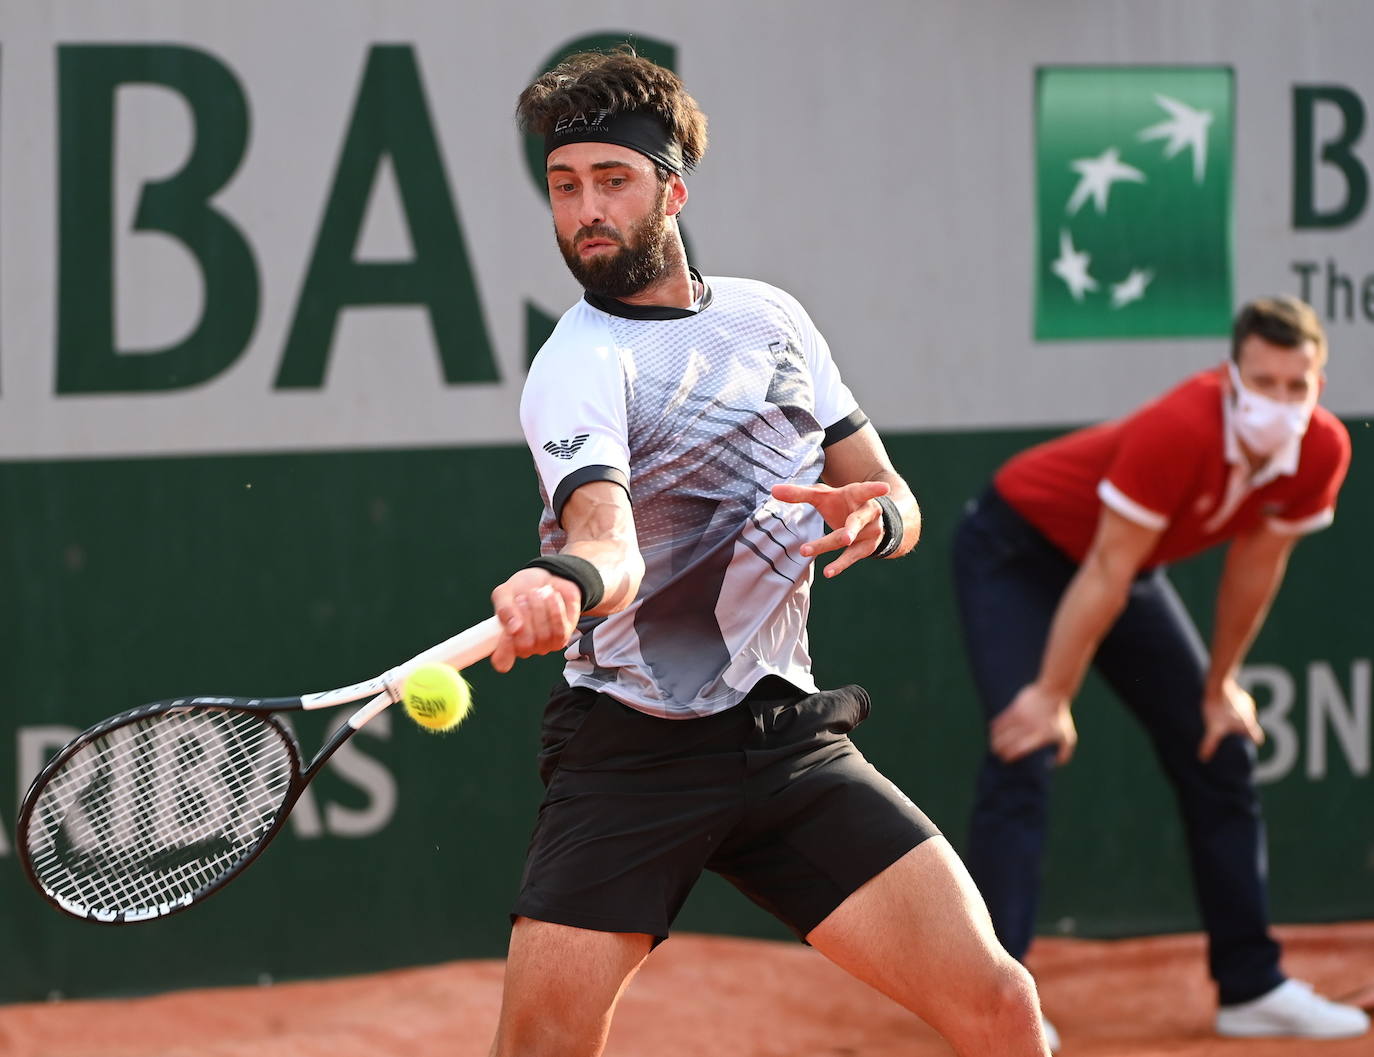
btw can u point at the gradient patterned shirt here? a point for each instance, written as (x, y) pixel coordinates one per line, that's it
(697, 413)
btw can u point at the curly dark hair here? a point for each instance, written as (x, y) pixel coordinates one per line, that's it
(1284, 321)
(616, 80)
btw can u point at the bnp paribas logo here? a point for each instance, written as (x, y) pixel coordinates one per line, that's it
(1133, 198)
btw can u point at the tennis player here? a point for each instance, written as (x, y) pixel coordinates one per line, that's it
(693, 440)
(1062, 563)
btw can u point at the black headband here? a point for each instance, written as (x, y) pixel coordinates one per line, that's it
(640, 130)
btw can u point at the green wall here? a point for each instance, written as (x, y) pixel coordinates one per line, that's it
(132, 580)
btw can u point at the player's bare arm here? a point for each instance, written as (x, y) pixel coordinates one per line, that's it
(539, 610)
(1040, 713)
(857, 471)
(1250, 578)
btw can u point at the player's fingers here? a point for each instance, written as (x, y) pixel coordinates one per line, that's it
(562, 613)
(1210, 740)
(540, 612)
(860, 519)
(831, 541)
(561, 619)
(836, 567)
(513, 626)
(503, 605)
(798, 493)
(855, 552)
(524, 633)
(1254, 730)
(503, 657)
(863, 491)
(568, 609)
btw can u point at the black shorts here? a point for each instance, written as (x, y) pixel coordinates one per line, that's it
(771, 794)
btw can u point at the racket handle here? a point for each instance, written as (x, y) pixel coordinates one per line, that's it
(464, 649)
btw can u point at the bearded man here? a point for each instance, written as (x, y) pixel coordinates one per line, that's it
(693, 438)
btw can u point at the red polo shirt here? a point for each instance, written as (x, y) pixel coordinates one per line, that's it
(1175, 465)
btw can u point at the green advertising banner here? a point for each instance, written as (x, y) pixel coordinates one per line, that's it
(134, 580)
(1133, 202)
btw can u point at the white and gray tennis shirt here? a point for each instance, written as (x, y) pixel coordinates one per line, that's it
(697, 413)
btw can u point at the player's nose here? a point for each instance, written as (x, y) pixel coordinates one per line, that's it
(590, 210)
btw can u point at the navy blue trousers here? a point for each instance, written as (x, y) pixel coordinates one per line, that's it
(1009, 580)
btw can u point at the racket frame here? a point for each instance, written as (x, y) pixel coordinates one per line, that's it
(460, 651)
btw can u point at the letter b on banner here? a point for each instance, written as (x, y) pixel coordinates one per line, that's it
(89, 76)
(1338, 153)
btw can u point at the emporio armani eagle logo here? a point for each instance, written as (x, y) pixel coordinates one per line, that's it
(565, 449)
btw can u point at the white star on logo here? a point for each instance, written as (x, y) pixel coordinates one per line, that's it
(1131, 288)
(1072, 266)
(1185, 128)
(1096, 178)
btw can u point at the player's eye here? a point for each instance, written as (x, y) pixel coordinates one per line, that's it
(617, 181)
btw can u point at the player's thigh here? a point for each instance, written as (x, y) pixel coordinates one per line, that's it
(560, 971)
(821, 820)
(920, 933)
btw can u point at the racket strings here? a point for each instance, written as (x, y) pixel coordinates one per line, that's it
(154, 811)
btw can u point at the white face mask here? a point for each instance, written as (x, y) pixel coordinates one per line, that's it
(1263, 424)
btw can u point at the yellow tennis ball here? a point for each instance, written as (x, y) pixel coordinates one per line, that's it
(437, 697)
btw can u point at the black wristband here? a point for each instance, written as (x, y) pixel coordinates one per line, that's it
(893, 527)
(578, 570)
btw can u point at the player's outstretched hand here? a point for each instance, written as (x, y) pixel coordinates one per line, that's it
(1230, 712)
(1033, 720)
(538, 613)
(856, 521)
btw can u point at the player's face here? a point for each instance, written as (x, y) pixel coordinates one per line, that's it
(1288, 375)
(610, 216)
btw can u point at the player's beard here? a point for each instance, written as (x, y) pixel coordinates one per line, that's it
(643, 257)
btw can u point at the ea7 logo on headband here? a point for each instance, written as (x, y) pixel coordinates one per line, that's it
(580, 118)
(565, 449)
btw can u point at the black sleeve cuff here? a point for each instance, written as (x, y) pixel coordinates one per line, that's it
(585, 475)
(845, 427)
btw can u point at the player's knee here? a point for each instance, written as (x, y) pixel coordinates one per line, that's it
(1016, 1002)
(1008, 994)
(998, 1014)
(539, 1028)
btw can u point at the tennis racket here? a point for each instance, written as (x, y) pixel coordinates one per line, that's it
(151, 811)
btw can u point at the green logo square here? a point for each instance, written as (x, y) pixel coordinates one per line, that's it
(1133, 201)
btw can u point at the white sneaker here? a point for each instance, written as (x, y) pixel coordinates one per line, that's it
(1292, 1008)
(1051, 1036)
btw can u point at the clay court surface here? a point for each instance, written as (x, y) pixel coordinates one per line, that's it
(749, 998)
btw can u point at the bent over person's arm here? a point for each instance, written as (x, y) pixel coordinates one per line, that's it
(1039, 715)
(540, 605)
(1255, 564)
